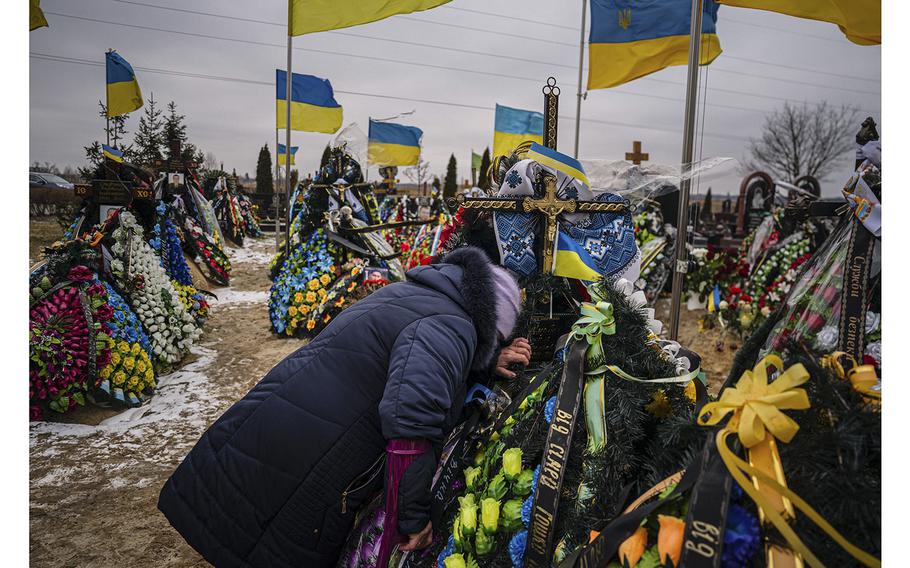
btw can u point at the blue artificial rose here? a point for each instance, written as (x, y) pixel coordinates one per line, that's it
(741, 537)
(549, 408)
(517, 548)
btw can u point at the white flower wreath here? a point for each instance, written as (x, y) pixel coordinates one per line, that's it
(170, 327)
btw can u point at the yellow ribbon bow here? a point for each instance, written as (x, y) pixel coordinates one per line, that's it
(757, 404)
(863, 378)
(596, 321)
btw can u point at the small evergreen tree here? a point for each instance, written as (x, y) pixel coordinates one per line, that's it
(174, 129)
(149, 137)
(483, 177)
(437, 185)
(451, 181)
(264, 171)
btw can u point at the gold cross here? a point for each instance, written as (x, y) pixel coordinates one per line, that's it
(636, 156)
(551, 207)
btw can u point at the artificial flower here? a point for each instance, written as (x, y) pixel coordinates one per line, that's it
(468, 514)
(631, 550)
(455, 561)
(489, 515)
(511, 463)
(470, 477)
(522, 485)
(511, 514)
(670, 538)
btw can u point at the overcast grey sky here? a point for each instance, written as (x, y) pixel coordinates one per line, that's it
(767, 59)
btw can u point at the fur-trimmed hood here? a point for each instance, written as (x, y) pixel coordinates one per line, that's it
(466, 276)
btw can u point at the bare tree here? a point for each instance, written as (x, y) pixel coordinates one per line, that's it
(418, 174)
(210, 162)
(803, 140)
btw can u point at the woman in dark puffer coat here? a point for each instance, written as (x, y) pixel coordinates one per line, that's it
(277, 480)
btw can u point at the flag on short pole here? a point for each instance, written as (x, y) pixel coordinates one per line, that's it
(36, 17)
(123, 94)
(309, 16)
(313, 104)
(572, 260)
(633, 38)
(714, 300)
(514, 126)
(282, 154)
(557, 162)
(392, 144)
(860, 20)
(112, 153)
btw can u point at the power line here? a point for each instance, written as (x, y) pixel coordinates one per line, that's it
(170, 72)
(399, 61)
(457, 50)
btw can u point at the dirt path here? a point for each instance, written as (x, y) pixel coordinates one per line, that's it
(94, 488)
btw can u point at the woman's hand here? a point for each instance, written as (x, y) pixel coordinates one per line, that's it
(518, 352)
(419, 540)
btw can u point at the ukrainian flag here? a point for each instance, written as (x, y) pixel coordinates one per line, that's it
(714, 300)
(393, 144)
(282, 154)
(861, 21)
(553, 160)
(313, 104)
(633, 38)
(36, 17)
(112, 153)
(572, 260)
(123, 94)
(514, 126)
(309, 16)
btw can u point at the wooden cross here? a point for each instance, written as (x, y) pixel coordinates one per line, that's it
(636, 156)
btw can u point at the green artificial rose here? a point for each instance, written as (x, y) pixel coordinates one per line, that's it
(511, 463)
(489, 515)
(511, 515)
(457, 535)
(498, 487)
(484, 544)
(454, 561)
(470, 478)
(522, 485)
(468, 515)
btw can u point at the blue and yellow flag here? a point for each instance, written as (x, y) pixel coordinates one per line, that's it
(558, 162)
(714, 300)
(393, 144)
(112, 153)
(123, 94)
(36, 17)
(633, 38)
(572, 260)
(514, 126)
(309, 16)
(313, 104)
(860, 20)
(282, 154)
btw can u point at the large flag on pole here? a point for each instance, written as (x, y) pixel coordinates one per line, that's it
(393, 144)
(313, 104)
(282, 154)
(860, 20)
(36, 17)
(514, 126)
(123, 94)
(631, 39)
(309, 16)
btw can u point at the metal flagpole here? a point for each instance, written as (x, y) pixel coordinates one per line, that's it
(276, 199)
(107, 102)
(681, 265)
(581, 62)
(287, 141)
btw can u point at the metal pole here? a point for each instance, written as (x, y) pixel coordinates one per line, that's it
(581, 62)
(275, 199)
(681, 264)
(287, 144)
(107, 103)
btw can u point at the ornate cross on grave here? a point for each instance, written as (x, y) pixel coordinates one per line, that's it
(550, 206)
(636, 156)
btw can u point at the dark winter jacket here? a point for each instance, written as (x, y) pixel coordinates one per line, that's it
(277, 480)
